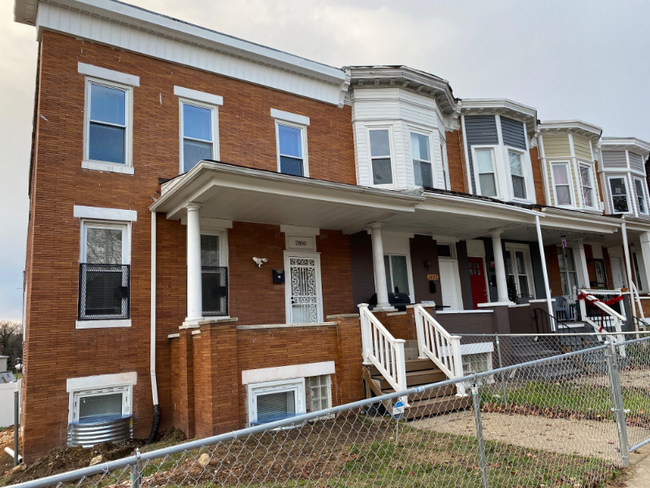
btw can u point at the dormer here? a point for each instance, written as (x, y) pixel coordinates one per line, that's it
(623, 175)
(568, 154)
(498, 135)
(400, 116)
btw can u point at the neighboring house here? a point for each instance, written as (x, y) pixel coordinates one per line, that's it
(207, 213)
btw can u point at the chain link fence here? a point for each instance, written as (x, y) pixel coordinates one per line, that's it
(516, 426)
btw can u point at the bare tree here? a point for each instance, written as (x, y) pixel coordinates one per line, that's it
(11, 340)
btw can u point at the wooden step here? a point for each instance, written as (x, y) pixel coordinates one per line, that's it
(442, 391)
(436, 406)
(416, 378)
(411, 365)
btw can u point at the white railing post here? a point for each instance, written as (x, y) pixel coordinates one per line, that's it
(400, 360)
(458, 364)
(419, 331)
(365, 332)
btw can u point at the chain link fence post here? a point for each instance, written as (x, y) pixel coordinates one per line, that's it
(619, 409)
(479, 433)
(136, 471)
(503, 375)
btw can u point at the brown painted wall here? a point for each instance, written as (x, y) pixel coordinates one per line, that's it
(591, 267)
(424, 248)
(363, 278)
(58, 183)
(537, 176)
(456, 161)
(553, 267)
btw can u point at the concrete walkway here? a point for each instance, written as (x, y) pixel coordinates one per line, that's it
(639, 476)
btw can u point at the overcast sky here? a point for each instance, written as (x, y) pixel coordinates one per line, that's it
(584, 60)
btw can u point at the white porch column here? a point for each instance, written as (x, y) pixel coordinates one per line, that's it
(542, 255)
(628, 267)
(381, 287)
(499, 267)
(194, 291)
(645, 253)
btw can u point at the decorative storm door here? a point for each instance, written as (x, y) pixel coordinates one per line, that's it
(303, 288)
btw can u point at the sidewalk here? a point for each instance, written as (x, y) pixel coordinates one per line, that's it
(640, 467)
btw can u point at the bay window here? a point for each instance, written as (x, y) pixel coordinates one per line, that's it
(380, 156)
(486, 175)
(517, 174)
(422, 165)
(586, 181)
(618, 187)
(562, 184)
(640, 196)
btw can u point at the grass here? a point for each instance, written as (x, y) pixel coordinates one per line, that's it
(567, 397)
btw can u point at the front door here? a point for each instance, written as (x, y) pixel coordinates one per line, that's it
(304, 302)
(617, 273)
(450, 284)
(477, 281)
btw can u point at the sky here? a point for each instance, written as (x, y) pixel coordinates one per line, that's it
(570, 59)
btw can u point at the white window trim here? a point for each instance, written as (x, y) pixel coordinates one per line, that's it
(108, 74)
(630, 208)
(513, 247)
(100, 213)
(644, 194)
(198, 96)
(97, 165)
(567, 164)
(214, 112)
(223, 243)
(306, 370)
(525, 162)
(495, 164)
(392, 158)
(640, 267)
(432, 156)
(303, 142)
(289, 117)
(595, 197)
(254, 390)
(126, 259)
(75, 386)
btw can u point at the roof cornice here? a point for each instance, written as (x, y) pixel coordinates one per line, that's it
(501, 106)
(407, 78)
(631, 144)
(579, 127)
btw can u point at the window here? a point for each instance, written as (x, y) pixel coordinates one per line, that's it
(519, 270)
(562, 184)
(214, 277)
(397, 278)
(568, 272)
(486, 177)
(101, 405)
(319, 393)
(382, 172)
(108, 116)
(422, 167)
(198, 123)
(640, 196)
(445, 251)
(444, 168)
(618, 188)
(517, 174)
(275, 400)
(637, 272)
(290, 150)
(587, 186)
(104, 271)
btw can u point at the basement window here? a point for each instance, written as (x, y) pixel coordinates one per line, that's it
(319, 393)
(101, 405)
(275, 400)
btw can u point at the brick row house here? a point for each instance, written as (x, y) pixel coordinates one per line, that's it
(207, 215)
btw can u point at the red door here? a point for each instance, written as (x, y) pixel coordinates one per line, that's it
(477, 281)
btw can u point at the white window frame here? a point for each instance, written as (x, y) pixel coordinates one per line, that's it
(594, 189)
(294, 121)
(297, 385)
(495, 163)
(512, 248)
(642, 196)
(391, 156)
(328, 380)
(431, 161)
(524, 174)
(567, 165)
(126, 259)
(630, 208)
(409, 273)
(87, 163)
(214, 109)
(576, 262)
(97, 385)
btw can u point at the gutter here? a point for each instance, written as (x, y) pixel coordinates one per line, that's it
(152, 347)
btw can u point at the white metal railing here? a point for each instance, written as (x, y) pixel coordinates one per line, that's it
(382, 350)
(435, 343)
(612, 315)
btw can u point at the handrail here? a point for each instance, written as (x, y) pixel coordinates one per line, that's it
(382, 350)
(605, 308)
(616, 317)
(435, 343)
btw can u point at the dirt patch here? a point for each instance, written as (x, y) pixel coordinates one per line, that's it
(70, 458)
(6, 440)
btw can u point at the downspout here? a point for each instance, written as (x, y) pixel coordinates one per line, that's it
(152, 347)
(542, 254)
(628, 268)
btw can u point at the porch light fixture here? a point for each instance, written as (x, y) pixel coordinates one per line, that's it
(260, 261)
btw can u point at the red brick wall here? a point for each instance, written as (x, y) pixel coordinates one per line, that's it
(246, 137)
